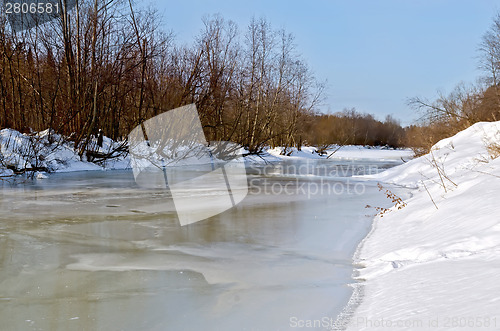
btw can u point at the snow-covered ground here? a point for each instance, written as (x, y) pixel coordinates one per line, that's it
(434, 264)
(53, 153)
(347, 152)
(48, 150)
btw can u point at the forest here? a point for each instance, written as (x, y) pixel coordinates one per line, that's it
(108, 66)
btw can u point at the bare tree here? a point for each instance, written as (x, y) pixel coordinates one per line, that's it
(489, 59)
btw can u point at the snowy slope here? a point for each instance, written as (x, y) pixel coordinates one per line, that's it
(37, 150)
(434, 265)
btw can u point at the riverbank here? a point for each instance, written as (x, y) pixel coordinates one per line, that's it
(48, 152)
(434, 263)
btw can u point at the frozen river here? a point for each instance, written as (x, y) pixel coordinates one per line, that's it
(78, 252)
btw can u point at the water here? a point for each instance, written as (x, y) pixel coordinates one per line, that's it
(78, 252)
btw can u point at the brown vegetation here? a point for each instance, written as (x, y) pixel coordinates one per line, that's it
(105, 65)
(353, 128)
(396, 200)
(493, 150)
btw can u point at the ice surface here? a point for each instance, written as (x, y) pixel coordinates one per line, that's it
(88, 250)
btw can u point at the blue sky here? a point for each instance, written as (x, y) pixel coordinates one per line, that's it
(374, 54)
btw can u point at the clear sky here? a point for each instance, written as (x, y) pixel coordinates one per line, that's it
(375, 54)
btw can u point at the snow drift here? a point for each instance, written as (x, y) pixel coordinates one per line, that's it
(47, 151)
(434, 263)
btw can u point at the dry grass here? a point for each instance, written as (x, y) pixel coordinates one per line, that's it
(397, 201)
(493, 150)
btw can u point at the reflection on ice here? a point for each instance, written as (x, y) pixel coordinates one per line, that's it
(89, 251)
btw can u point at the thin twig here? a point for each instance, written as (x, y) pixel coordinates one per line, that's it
(483, 172)
(430, 196)
(335, 151)
(439, 172)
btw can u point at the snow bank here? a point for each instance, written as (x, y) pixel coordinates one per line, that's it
(434, 263)
(348, 152)
(52, 152)
(49, 151)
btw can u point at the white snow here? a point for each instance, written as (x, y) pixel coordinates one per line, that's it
(347, 152)
(434, 265)
(6, 173)
(40, 175)
(23, 151)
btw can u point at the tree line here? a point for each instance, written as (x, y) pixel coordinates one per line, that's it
(108, 65)
(351, 127)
